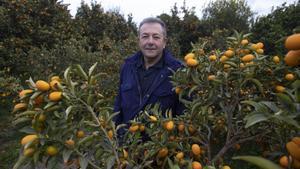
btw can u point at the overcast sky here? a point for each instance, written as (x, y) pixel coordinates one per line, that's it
(145, 8)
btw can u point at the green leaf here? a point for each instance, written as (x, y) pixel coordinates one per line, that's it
(258, 84)
(19, 163)
(66, 155)
(258, 161)
(271, 105)
(81, 72)
(254, 118)
(92, 68)
(288, 120)
(67, 75)
(286, 101)
(31, 83)
(83, 162)
(50, 104)
(257, 106)
(110, 162)
(68, 110)
(21, 120)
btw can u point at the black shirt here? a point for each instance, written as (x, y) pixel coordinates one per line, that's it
(147, 76)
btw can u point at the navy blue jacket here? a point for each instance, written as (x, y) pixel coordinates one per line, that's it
(129, 101)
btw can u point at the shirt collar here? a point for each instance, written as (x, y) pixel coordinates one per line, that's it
(158, 65)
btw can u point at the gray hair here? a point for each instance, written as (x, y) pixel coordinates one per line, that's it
(154, 20)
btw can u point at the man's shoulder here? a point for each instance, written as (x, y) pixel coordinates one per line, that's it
(132, 59)
(173, 62)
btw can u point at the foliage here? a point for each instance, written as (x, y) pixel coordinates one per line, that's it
(229, 103)
(228, 14)
(276, 26)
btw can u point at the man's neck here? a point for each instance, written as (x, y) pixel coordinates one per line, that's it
(150, 62)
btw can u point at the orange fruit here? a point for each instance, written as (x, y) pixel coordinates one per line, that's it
(196, 165)
(42, 118)
(242, 65)
(296, 164)
(279, 89)
(259, 45)
(178, 90)
(212, 57)
(226, 66)
(70, 143)
(289, 77)
(292, 58)
(293, 42)
(162, 153)
(42, 85)
(20, 106)
(133, 128)
(191, 129)
(254, 47)
(189, 56)
(25, 92)
(125, 154)
(179, 155)
(244, 42)
(80, 134)
(110, 134)
(211, 77)
(248, 58)
(276, 59)
(293, 149)
(284, 161)
(54, 84)
(196, 149)
(29, 138)
(169, 126)
(296, 140)
(39, 100)
(223, 58)
(28, 152)
(229, 53)
(142, 127)
(153, 118)
(225, 167)
(192, 62)
(259, 51)
(55, 78)
(55, 96)
(237, 146)
(51, 150)
(181, 127)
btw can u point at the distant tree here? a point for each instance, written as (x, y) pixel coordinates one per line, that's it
(183, 30)
(27, 25)
(94, 23)
(279, 23)
(228, 14)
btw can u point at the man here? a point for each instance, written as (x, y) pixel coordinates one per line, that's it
(144, 77)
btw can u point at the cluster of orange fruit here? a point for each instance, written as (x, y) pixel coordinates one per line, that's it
(41, 86)
(292, 44)
(30, 100)
(293, 148)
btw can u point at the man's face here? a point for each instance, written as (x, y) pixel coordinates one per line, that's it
(151, 40)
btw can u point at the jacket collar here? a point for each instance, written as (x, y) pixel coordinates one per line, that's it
(167, 57)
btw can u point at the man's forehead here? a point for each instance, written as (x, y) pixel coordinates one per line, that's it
(151, 28)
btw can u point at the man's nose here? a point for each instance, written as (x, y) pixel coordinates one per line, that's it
(150, 39)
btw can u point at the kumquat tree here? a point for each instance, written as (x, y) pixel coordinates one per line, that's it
(239, 83)
(241, 104)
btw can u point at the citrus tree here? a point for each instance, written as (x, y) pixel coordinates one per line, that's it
(234, 99)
